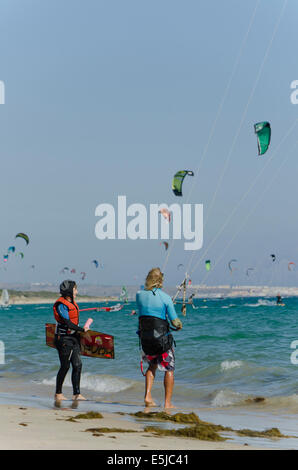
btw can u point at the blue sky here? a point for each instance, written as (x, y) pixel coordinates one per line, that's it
(108, 98)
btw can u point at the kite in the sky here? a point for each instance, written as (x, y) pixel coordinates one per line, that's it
(263, 131)
(165, 244)
(166, 213)
(63, 270)
(178, 181)
(208, 264)
(230, 265)
(291, 264)
(24, 236)
(249, 269)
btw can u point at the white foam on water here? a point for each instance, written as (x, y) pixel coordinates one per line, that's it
(262, 303)
(227, 365)
(226, 398)
(96, 383)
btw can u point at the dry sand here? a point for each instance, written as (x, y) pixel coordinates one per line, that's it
(41, 429)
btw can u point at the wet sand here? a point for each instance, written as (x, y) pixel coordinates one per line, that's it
(37, 429)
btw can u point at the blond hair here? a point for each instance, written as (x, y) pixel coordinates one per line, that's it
(154, 279)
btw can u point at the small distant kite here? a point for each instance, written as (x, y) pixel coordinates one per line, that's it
(165, 244)
(248, 270)
(24, 236)
(230, 265)
(166, 213)
(11, 249)
(83, 275)
(208, 265)
(63, 270)
(291, 264)
(273, 258)
(95, 262)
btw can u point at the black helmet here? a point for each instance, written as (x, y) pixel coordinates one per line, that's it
(66, 288)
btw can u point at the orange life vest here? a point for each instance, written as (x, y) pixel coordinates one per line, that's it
(73, 310)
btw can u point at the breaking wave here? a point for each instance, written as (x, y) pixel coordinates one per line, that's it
(97, 383)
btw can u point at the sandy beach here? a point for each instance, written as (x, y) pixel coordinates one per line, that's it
(59, 429)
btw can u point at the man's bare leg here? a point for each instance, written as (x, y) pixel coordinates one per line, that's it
(169, 385)
(149, 379)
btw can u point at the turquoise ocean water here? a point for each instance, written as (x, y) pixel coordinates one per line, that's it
(229, 354)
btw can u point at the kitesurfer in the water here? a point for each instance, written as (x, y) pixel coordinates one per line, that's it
(278, 300)
(155, 308)
(67, 339)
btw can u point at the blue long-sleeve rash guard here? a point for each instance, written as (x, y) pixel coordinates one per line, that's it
(155, 303)
(63, 311)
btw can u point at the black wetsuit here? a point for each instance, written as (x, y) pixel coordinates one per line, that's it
(68, 346)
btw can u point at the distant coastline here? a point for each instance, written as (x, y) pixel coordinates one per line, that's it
(44, 297)
(218, 292)
(18, 297)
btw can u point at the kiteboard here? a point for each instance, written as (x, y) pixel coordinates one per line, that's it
(93, 343)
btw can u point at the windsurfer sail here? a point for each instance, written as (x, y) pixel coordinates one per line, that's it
(4, 302)
(123, 295)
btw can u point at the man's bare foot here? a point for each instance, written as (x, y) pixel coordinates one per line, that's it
(149, 403)
(59, 397)
(78, 397)
(169, 406)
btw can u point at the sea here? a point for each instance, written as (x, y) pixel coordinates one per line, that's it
(236, 364)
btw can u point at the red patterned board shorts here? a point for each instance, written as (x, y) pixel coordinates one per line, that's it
(165, 361)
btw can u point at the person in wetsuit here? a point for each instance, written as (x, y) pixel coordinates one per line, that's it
(67, 339)
(155, 308)
(279, 299)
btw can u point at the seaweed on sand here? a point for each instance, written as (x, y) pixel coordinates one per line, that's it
(271, 433)
(101, 431)
(182, 418)
(199, 431)
(88, 415)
